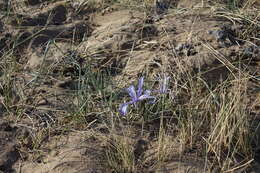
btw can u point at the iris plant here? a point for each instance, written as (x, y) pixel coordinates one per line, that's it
(139, 95)
(136, 96)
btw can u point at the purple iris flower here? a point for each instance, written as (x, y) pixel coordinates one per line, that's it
(136, 96)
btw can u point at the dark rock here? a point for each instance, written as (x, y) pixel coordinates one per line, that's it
(225, 36)
(8, 152)
(161, 7)
(252, 51)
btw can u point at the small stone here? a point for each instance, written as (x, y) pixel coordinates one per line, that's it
(161, 7)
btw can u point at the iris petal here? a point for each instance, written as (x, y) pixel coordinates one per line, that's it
(131, 91)
(147, 95)
(123, 108)
(140, 86)
(147, 92)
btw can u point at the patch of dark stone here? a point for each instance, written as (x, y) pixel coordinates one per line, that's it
(186, 49)
(35, 2)
(139, 149)
(8, 147)
(4, 5)
(76, 30)
(160, 9)
(56, 16)
(1, 27)
(225, 36)
(252, 51)
(4, 43)
(2, 108)
(147, 32)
